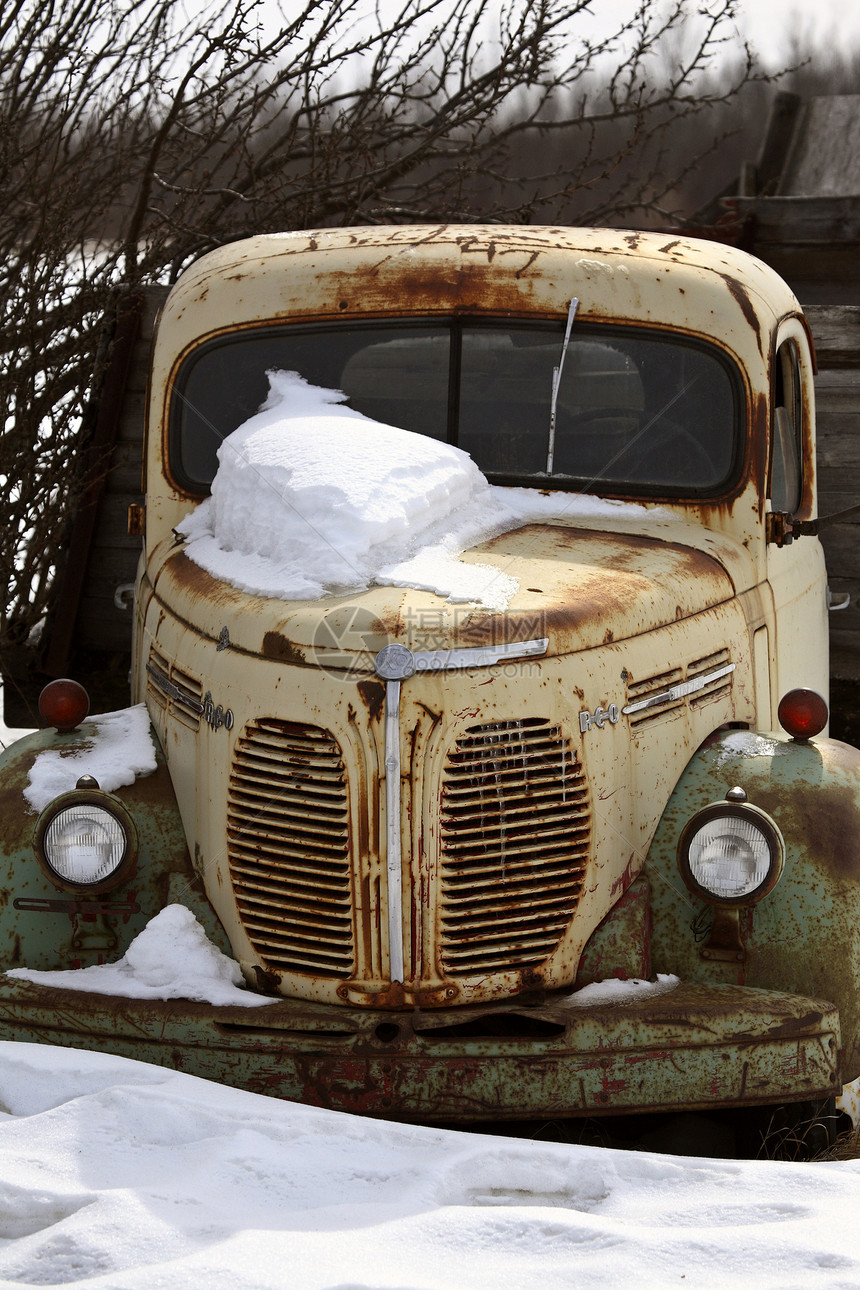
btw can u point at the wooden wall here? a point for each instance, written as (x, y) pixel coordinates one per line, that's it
(113, 556)
(836, 332)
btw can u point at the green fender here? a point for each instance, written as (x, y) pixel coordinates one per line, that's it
(804, 937)
(45, 928)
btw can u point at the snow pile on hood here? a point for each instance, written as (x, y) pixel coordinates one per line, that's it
(172, 958)
(118, 747)
(313, 497)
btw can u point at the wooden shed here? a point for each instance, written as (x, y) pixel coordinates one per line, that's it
(797, 207)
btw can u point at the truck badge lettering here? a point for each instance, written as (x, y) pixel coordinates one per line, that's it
(216, 717)
(599, 717)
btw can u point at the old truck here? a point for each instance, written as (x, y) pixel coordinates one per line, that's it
(423, 833)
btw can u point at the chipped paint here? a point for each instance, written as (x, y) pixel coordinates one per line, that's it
(562, 1060)
(534, 855)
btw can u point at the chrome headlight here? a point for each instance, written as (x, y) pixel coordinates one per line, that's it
(86, 841)
(731, 853)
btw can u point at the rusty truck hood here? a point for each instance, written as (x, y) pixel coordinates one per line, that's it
(578, 587)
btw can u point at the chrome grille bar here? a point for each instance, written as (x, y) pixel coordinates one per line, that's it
(394, 665)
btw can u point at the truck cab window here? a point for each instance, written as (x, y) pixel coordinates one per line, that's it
(786, 469)
(637, 414)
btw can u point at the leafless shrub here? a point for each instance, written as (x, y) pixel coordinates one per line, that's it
(133, 138)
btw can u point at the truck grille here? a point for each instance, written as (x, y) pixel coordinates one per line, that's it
(515, 831)
(288, 843)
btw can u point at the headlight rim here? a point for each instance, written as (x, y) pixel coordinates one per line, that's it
(113, 806)
(738, 810)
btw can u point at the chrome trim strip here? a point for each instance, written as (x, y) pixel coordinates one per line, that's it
(393, 857)
(442, 660)
(678, 691)
(395, 663)
(173, 691)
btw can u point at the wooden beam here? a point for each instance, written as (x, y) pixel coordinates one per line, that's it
(110, 400)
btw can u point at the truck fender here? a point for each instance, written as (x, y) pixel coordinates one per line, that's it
(804, 936)
(47, 928)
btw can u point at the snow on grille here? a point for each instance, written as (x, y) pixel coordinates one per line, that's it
(515, 832)
(288, 843)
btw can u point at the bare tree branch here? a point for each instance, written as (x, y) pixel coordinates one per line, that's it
(134, 136)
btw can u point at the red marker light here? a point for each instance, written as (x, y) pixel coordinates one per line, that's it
(63, 704)
(803, 713)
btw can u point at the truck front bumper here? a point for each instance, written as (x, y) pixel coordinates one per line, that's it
(689, 1047)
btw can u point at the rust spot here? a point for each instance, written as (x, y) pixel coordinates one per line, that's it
(266, 982)
(740, 295)
(276, 646)
(397, 997)
(373, 697)
(758, 440)
(827, 816)
(623, 579)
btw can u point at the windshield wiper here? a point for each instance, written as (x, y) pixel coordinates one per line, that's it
(556, 382)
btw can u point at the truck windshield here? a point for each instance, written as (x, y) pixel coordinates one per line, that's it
(638, 412)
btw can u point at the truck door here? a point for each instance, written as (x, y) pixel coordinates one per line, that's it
(799, 651)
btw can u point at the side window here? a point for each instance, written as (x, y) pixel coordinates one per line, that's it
(786, 485)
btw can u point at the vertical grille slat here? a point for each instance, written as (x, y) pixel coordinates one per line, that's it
(515, 833)
(288, 839)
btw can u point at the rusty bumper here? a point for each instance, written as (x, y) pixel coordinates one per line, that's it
(694, 1046)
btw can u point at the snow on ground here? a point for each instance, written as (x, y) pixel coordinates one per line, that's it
(122, 1175)
(119, 748)
(311, 497)
(117, 1175)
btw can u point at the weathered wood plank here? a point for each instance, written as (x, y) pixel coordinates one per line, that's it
(101, 626)
(843, 649)
(801, 219)
(836, 333)
(841, 544)
(131, 422)
(112, 526)
(824, 158)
